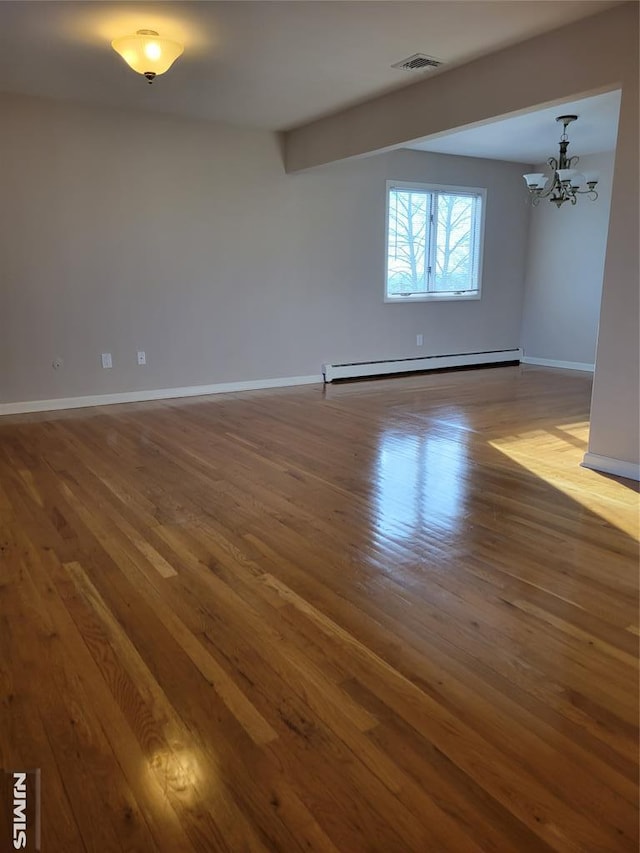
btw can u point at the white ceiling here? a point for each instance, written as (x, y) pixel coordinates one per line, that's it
(262, 64)
(533, 137)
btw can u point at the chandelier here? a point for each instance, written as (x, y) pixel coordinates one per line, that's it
(567, 183)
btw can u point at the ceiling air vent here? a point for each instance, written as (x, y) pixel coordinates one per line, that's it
(417, 62)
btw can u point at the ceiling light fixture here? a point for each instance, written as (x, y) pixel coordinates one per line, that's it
(147, 53)
(567, 183)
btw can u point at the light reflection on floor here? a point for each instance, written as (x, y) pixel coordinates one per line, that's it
(420, 483)
(613, 501)
(177, 771)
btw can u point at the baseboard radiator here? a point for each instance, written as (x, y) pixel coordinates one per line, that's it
(356, 370)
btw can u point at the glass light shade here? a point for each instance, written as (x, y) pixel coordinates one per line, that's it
(535, 180)
(591, 177)
(565, 174)
(147, 53)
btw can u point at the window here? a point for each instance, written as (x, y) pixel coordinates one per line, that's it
(434, 242)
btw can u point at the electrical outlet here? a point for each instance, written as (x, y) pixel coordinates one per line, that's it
(142, 357)
(57, 363)
(419, 340)
(106, 360)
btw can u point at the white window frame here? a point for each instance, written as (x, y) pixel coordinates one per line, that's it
(434, 297)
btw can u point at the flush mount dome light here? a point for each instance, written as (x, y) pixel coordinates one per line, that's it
(147, 53)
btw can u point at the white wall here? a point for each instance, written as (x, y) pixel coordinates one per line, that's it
(615, 406)
(564, 271)
(596, 54)
(123, 231)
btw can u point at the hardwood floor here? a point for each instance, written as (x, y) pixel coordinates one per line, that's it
(385, 616)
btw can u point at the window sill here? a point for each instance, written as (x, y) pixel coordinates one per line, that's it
(432, 297)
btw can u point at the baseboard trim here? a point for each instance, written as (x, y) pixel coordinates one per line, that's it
(59, 403)
(552, 362)
(618, 467)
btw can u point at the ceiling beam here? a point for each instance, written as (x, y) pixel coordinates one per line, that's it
(585, 57)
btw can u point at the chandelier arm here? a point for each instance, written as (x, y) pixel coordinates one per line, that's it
(555, 185)
(548, 192)
(587, 192)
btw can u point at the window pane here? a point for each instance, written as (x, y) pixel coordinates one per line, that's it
(457, 218)
(407, 259)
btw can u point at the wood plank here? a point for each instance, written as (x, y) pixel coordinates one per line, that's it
(387, 615)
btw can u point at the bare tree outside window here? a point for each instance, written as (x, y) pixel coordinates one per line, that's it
(432, 242)
(454, 242)
(409, 214)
